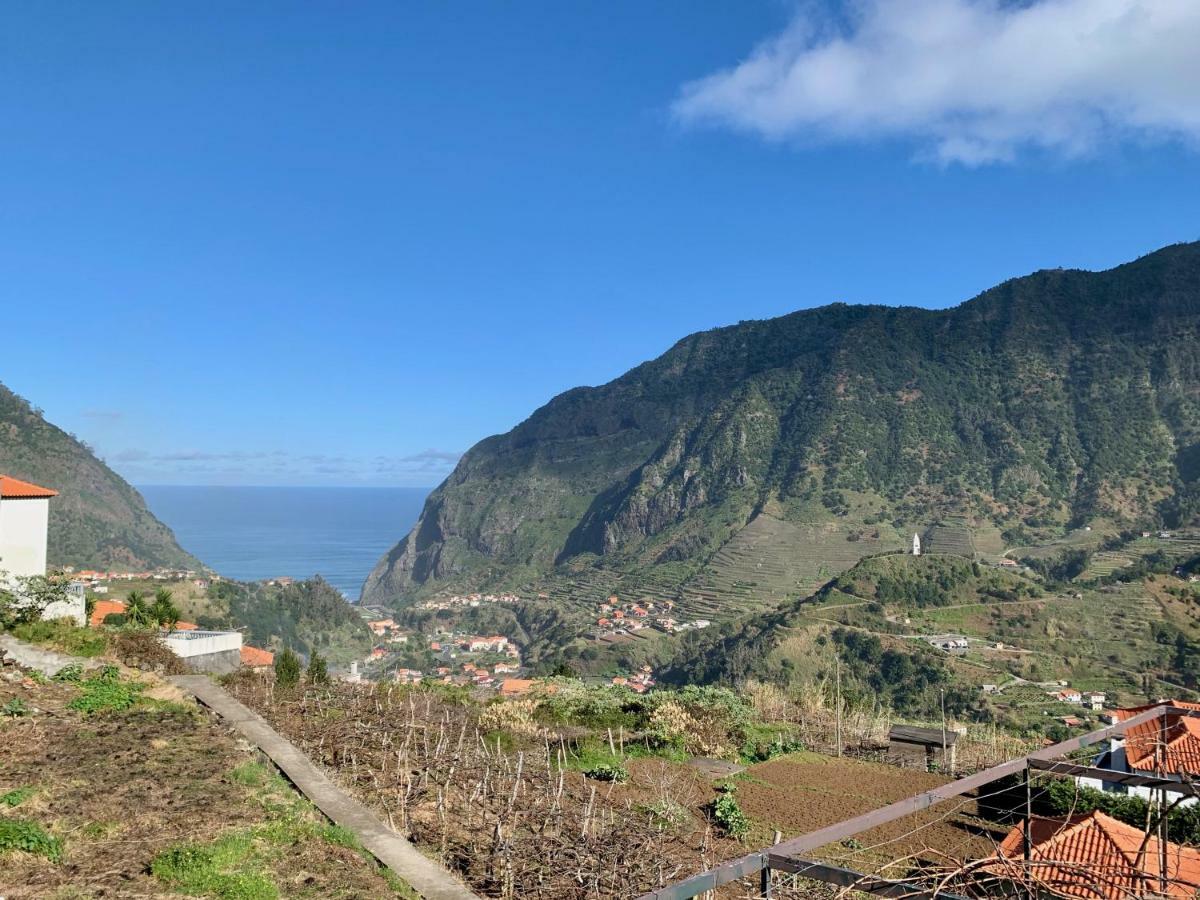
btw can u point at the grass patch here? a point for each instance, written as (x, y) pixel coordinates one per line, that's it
(106, 692)
(250, 773)
(28, 837)
(205, 869)
(62, 635)
(17, 797)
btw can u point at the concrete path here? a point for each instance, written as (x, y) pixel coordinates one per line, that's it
(426, 877)
(48, 662)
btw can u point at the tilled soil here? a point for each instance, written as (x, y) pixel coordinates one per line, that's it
(120, 788)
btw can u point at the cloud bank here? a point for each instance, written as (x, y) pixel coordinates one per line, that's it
(969, 81)
(187, 466)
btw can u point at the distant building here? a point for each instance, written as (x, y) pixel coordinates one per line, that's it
(916, 545)
(254, 658)
(24, 523)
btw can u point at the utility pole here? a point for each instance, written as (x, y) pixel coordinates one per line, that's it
(838, 669)
(945, 762)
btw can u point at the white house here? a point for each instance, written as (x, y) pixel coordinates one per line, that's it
(24, 521)
(1169, 745)
(916, 545)
(24, 525)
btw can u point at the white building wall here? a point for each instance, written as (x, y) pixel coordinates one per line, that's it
(23, 529)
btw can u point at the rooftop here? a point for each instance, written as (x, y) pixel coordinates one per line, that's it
(1094, 855)
(15, 489)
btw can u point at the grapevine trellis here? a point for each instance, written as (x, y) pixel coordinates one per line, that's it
(514, 822)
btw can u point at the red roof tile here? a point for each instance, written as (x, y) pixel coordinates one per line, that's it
(253, 657)
(1178, 737)
(105, 608)
(15, 489)
(1098, 857)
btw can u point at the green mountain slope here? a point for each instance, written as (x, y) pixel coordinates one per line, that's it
(98, 520)
(1049, 400)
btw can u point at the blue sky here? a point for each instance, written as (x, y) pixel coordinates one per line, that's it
(319, 243)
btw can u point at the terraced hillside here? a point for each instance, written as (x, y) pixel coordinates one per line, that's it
(771, 560)
(951, 536)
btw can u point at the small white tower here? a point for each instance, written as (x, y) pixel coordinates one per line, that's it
(916, 544)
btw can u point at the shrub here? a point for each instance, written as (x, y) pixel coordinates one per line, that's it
(318, 671)
(608, 772)
(71, 673)
(287, 669)
(14, 708)
(143, 650)
(28, 837)
(729, 816)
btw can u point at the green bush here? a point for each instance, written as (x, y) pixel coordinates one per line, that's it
(729, 816)
(318, 671)
(14, 708)
(71, 673)
(28, 837)
(608, 772)
(287, 669)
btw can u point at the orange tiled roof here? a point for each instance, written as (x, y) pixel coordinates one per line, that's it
(1095, 856)
(186, 626)
(15, 489)
(1177, 736)
(104, 608)
(511, 687)
(253, 657)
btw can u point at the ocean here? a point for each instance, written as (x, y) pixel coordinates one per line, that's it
(252, 533)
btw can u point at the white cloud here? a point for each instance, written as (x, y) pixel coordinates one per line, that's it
(970, 81)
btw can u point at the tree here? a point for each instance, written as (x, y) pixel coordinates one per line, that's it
(137, 611)
(24, 598)
(163, 610)
(318, 672)
(287, 669)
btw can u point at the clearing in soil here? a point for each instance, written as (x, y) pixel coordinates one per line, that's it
(107, 792)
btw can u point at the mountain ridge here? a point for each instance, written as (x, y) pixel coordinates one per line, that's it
(1033, 405)
(98, 520)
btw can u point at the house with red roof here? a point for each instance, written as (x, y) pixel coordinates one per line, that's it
(24, 521)
(1168, 746)
(1096, 856)
(24, 525)
(254, 658)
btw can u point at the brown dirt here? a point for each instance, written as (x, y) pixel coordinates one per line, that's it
(119, 788)
(805, 792)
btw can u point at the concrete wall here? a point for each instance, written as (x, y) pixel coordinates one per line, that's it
(220, 663)
(216, 652)
(23, 525)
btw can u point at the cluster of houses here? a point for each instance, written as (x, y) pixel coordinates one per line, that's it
(467, 600)
(639, 682)
(1093, 700)
(97, 581)
(617, 618)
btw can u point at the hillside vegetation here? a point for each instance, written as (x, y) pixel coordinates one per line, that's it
(98, 520)
(1043, 403)
(306, 616)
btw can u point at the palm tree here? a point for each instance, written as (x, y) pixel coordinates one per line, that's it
(137, 612)
(164, 611)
